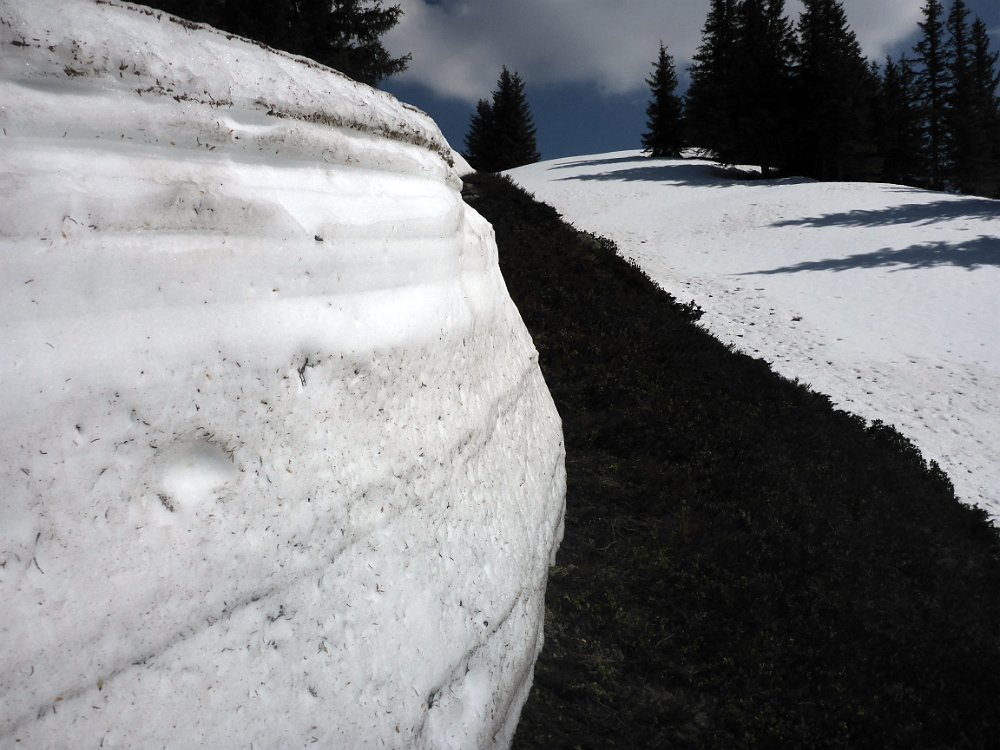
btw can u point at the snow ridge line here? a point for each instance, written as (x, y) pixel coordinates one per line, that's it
(503, 405)
(80, 56)
(400, 133)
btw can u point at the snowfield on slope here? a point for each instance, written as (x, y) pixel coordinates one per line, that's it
(885, 298)
(278, 463)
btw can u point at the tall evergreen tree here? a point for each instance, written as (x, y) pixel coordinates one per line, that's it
(932, 84)
(514, 127)
(984, 72)
(963, 142)
(479, 142)
(664, 136)
(984, 80)
(899, 124)
(760, 82)
(342, 34)
(834, 93)
(351, 38)
(502, 134)
(972, 116)
(709, 113)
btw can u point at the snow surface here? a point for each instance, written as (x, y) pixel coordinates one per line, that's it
(279, 465)
(885, 298)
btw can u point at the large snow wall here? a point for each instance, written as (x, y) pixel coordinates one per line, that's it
(278, 466)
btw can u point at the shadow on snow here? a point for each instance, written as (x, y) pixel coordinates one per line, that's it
(908, 213)
(600, 162)
(971, 255)
(673, 171)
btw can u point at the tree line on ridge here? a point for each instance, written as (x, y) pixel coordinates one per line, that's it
(803, 99)
(792, 98)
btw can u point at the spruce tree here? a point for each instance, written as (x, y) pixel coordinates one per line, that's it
(514, 128)
(709, 114)
(899, 124)
(985, 107)
(342, 34)
(834, 96)
(350, 40)
(664, 136)
(932, 85)
(963, 142)
(984, 72)
(479, 139)
(502, 134)
(759, 86)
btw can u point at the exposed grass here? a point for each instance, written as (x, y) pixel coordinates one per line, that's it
(743, 565)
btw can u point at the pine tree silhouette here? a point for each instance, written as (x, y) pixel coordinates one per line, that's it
(932, 84)
(761, 86)
(664, 136)
(709, 114)
(809, 102)
(479, 145)
(899, 124)
(985, 112)
(835, 91)
(502, 134)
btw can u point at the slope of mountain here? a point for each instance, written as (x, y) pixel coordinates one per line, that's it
(880, 296)
(744, 565)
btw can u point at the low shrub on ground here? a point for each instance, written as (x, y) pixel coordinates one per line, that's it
(743, 565)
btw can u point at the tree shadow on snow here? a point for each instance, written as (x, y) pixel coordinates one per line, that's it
(971, 255)
(920, 214)
(673, 171)
(600, 162)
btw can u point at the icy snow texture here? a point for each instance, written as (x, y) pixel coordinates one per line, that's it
(278, 462)
(883, 297)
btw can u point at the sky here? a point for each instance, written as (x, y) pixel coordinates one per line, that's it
(585, 61)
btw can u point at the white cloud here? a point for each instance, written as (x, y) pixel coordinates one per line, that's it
(880, 26)
(458, 46)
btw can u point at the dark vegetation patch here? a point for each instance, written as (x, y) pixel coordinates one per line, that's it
(743, 566)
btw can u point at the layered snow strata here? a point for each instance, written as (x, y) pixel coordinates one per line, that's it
(279, 465)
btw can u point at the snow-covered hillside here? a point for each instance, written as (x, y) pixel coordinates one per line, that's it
(278, 463)
(886, 298)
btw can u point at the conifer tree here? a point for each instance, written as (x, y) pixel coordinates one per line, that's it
(985, 107)
(760, 81)
(899, 124)
(514, 127)
(933, 120)
(709, 114)
(502, 134)
(664, 136)
(972, 127)
(984, 72)
(479, 140)
(932, 85)
(962, 141)
(834, 95)
(350, 40)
